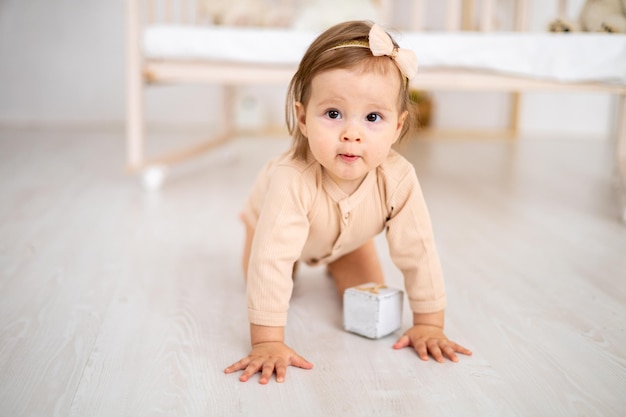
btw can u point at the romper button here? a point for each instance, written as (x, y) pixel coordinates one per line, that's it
(346, 216)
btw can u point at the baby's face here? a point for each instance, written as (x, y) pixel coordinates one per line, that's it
(351, 120)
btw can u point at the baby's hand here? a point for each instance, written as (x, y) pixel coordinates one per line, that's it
(427, 339)
(268, 357)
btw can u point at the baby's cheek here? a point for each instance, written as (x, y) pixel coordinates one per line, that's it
(380, 154)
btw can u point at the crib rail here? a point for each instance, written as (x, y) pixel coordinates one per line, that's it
(459, 14)
(471, 15)
(186, 12)
(197, 12)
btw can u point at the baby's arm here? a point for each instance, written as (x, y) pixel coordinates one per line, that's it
(426, 336)
(269, 354)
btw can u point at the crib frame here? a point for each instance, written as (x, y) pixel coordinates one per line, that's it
(142, 72)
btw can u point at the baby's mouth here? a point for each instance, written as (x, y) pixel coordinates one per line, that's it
(347, 157)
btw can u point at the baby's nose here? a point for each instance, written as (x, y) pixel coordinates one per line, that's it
(351, 135)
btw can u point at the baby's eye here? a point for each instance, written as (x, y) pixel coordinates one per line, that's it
(373, 117)
(333, 114)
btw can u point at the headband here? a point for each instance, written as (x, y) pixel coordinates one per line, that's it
(380, 44)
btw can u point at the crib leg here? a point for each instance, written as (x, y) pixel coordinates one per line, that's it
(620, 152)
(514, 114)
(227, 121)
(134, 129)
(228, 110)
(134, 88)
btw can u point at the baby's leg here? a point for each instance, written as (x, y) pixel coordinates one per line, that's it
(356, 268)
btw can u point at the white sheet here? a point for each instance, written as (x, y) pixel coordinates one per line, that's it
(560, 57)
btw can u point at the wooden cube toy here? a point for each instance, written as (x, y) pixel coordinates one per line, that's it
(372, 310)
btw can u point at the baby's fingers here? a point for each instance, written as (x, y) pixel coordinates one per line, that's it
(252, 369)
(238, 366)
(450, 349)
(300, 362)
(436, 350)
(418, 345)
(268, 370)
(281, 370)
(460, 349)
(403, 342)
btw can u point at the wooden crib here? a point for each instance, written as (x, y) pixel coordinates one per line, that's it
(145, 67)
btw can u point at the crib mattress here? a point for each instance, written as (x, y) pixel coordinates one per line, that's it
(577, 57)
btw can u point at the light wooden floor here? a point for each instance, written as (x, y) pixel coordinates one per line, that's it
(118, 302)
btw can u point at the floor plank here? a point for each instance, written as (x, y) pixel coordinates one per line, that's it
(122, 302)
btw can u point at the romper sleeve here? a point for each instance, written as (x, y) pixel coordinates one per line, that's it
(412, 246)
(280, 235)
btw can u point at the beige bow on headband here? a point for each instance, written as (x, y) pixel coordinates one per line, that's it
(381, 44)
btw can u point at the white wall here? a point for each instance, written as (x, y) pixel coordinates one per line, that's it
(62, 62)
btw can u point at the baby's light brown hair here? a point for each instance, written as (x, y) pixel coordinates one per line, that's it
(321, 57)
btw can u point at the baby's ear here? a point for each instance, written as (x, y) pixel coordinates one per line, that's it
(401, 121)
(301, 117)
